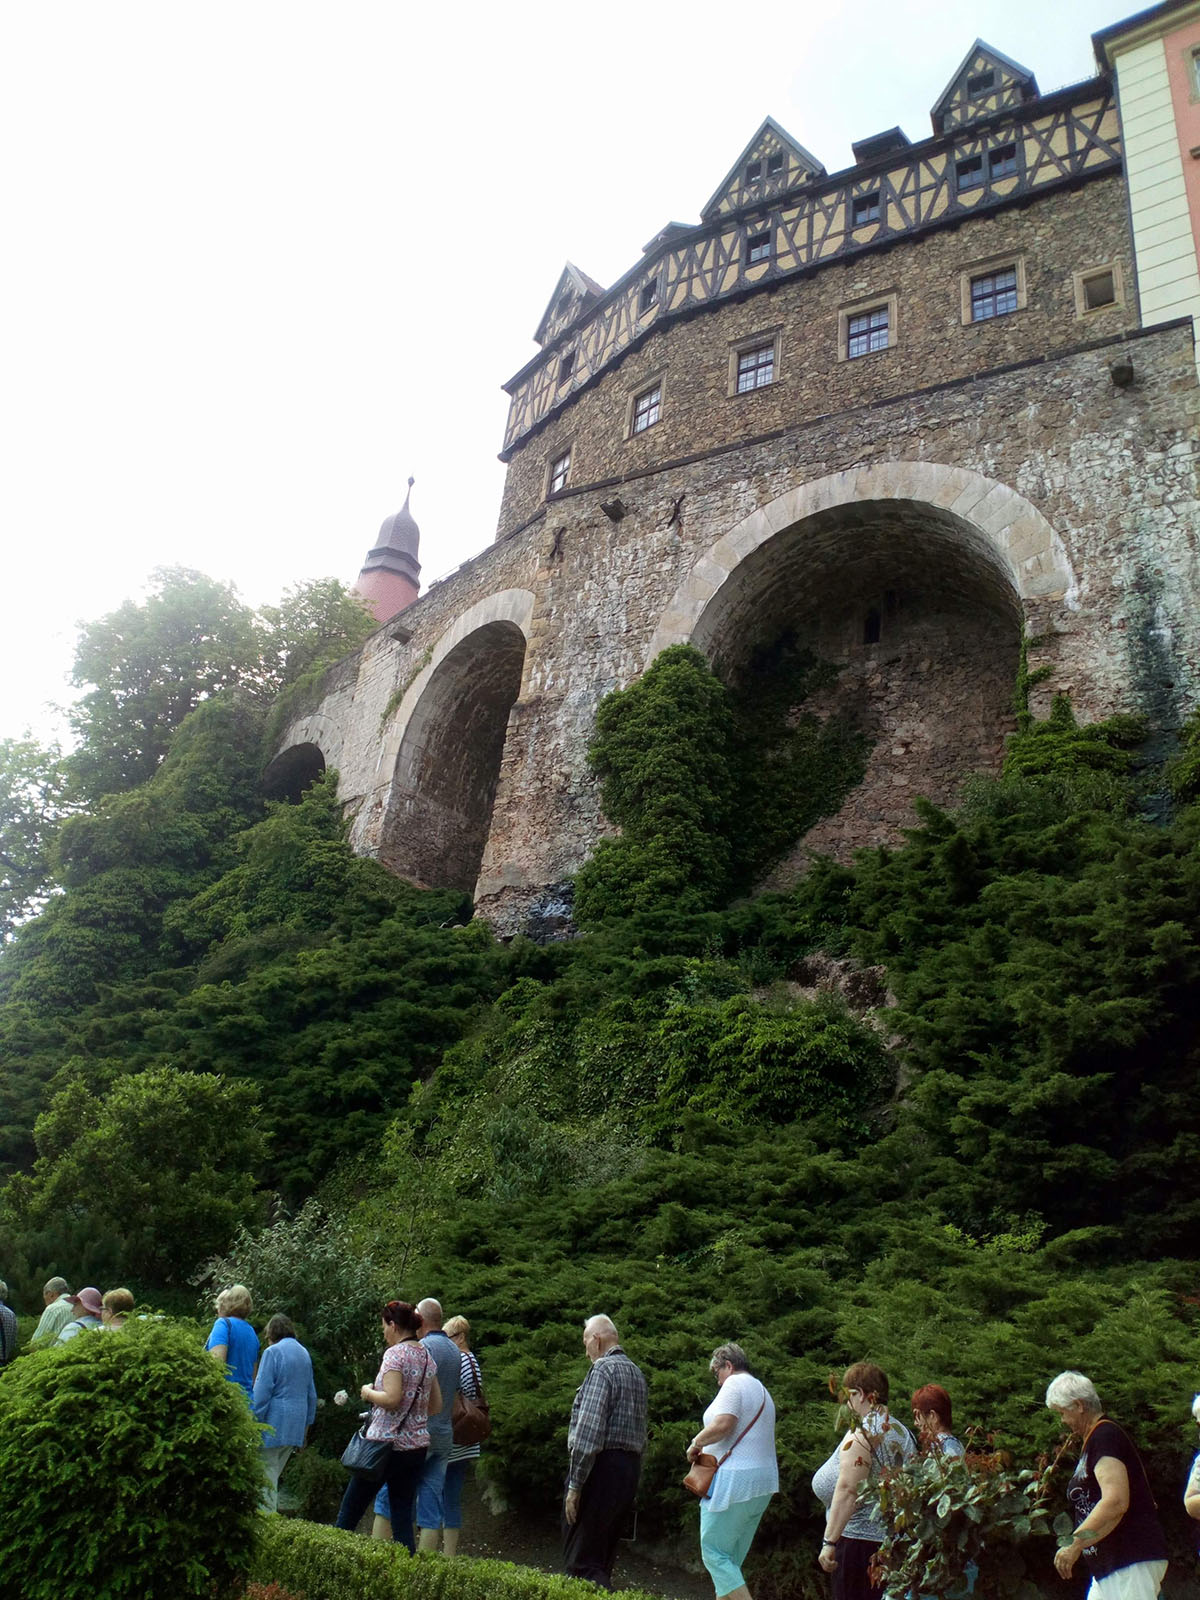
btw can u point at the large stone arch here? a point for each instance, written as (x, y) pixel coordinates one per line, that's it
(446, 742)
(293, 770)
(914, 579)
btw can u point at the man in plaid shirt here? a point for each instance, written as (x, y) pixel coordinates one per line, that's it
(605, 1441)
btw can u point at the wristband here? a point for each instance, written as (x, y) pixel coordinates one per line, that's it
(832, 1543)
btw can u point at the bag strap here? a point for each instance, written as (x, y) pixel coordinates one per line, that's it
(744, 1431)
(478, 1375)
(416, 1393)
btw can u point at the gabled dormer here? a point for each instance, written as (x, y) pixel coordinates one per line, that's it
(986, 82)
(771, 163)
(574, 295)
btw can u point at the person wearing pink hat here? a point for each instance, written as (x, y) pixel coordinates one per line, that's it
(88, 1305)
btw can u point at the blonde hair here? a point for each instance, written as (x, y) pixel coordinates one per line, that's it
(118, 1301)
(235, 1301)
(457, 1325)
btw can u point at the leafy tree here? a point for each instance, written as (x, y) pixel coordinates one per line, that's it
(162, 1162)
(32, 784)
(314, 625)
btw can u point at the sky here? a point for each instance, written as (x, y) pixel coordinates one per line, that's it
(267, 260)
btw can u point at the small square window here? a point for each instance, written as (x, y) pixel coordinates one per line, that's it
(566, 366)
(754, 172)
(756, 368)
(1002, 163)
(775, 164)
(646, 409)
(648, 296)
(560, 470)
(758, 247)
(1099, 290)
(968, 174)
(981, 82)
(994, 294)
(865, 208)
(867, 331)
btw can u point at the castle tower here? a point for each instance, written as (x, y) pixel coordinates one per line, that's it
(390, 577)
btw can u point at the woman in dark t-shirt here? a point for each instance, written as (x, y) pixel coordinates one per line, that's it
(1116, 1521)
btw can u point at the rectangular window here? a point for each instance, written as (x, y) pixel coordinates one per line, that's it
(755, 368)
(758, 247)
(566, 366)
(646, 409)
(1002, 163)
(866, 208)
(648, 296)
(981, 82)
(775, 164)
(994, 294)
(754, 172)
(560, 469)
(867, 331)
(1099, 291)
(968, 174)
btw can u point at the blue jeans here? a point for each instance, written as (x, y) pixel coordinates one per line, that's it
(452, 1494)
(430, 1491)
(402, 1475)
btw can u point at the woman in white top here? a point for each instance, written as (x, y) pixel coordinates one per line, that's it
(739, 1426)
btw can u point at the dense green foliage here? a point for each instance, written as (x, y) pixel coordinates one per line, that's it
(32, 799)
(328, 1564)
(129, 1466)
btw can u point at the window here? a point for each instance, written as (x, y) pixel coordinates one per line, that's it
(868, 331)
(646, 408)
(1099, 291)
(566, 366)
(865, 208)
(1002, 163)
(1097, 288)
(758, 247)
(648, 296)
(560, 469)
(1194, 64)
(968, 174)
(981, 82)
(754, 172)
(994, 294)
(872, 626)
(775, 164)
(756, 367)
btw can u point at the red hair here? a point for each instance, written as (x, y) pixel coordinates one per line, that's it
(401, 1315)
(932, 1397)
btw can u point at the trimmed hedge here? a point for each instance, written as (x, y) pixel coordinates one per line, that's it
(322, 1563)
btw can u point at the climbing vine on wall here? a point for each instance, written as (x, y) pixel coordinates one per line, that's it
(711, 784)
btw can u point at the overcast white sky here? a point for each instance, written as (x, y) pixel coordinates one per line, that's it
(265, 260)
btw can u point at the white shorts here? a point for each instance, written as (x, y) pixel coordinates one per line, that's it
(1141, 1581)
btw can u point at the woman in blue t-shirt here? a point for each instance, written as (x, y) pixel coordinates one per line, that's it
(233, 1340)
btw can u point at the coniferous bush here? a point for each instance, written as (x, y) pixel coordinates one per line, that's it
(129, 1466)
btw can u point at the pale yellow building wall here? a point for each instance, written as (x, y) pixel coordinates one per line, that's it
(1164, 246)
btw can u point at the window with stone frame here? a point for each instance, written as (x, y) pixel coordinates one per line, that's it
(756, 367)
(867, 331)
(560, 471)
(994, 294)
(647, 407)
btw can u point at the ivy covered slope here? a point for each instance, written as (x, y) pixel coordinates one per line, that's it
(981, 1171)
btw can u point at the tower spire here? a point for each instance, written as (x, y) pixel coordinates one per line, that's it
(390, 576)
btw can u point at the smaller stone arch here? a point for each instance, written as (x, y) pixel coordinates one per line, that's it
(446, 743)
(293, 771)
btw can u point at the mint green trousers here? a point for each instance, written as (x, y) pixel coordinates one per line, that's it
(725, 1537)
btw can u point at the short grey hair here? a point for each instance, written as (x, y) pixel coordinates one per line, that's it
(1196, 1407)
(55, 1286)
(1071, 1386)
(731, 1353)
(3, 1290)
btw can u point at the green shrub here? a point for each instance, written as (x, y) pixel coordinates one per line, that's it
(129, 1466)
(313, 1485)
(330, 1564)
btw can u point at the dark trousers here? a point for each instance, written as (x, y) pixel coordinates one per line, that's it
(851, 1579)
(605, 1501)
(402, 1476)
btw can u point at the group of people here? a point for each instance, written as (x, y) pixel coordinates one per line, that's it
(1116, 1528)
(66, 1315)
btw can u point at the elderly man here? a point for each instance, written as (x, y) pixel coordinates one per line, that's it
(605, 1441)
(59, 1311)
(8, 1327)
(431, 1490)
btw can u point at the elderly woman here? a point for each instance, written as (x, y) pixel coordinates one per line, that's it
(285, 1398)
(1191, 1495)
(118, 1308)
(853, 1533)
(931, 1414)
(1116, 1521)
(233, 1340)
(739, 1425)
(403, 1394)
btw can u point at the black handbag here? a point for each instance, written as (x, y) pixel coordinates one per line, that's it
(367, 1458)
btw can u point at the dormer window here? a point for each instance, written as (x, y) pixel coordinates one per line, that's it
(753, 171)
(648, 297)
(566, 366)
(968, 174)
(758, 247)
(980, 82)
(775, 164)
(865, 208)
(1002, 163)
